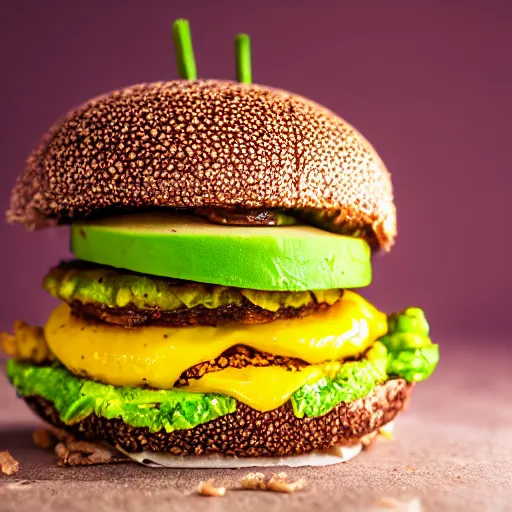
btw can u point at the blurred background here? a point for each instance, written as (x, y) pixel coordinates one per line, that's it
(428, 83)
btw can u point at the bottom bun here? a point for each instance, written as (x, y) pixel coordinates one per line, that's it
(247, 432)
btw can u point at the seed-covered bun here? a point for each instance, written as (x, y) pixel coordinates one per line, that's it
(247, 432)
(204, 143)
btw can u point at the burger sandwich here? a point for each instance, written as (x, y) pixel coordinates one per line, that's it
(219, 229)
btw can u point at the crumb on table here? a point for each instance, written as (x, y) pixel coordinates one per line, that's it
(8, 464)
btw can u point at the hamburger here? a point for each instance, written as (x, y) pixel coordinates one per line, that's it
(210, 317)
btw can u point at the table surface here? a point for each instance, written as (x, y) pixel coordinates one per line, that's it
(452, 452)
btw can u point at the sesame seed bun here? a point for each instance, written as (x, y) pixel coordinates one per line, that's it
(204, 143)
(247, 432)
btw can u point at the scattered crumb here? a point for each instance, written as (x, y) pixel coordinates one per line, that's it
(44, 438)
(410, 468)
(413, 505)
(81, 453)
(71, 452)
(61, 451)
(280, 483)
(8, 464)
(61, 434)
(387, 502)
(254, 481)
(208, 489)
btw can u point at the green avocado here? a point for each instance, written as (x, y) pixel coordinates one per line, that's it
(411, 353)
(76, 398)
(288, 258)
(107, 286)
(356, 379)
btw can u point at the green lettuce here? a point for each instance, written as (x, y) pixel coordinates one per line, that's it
(411, 353)
(76, 398)
(355, 380)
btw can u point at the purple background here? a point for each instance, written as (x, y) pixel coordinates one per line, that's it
(429, 85)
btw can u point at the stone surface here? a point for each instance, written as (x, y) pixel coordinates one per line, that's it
(452, 452)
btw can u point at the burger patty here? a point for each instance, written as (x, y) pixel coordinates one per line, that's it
(237, 216)
(239, 356)
(247, 432)
(330, 220)
(131, 299)
(244, 313)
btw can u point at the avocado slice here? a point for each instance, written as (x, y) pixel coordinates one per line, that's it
(288, 258)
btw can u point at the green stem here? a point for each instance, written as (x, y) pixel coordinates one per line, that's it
(243, 58)
(184, 51)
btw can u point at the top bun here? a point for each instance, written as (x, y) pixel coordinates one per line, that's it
(204, 143)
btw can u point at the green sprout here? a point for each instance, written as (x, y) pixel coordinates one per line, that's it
(243, 58)
(184, 50)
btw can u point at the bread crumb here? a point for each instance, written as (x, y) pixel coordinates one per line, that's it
(279, 483)
(254, 481)
(8, 464)
(44, 438)
(61, 434)
(387, 502)
(412, 505)
(206, 488)
(61, 450)
(81, 453)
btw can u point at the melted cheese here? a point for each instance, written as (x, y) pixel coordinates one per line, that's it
(262, 388)
(157, 356)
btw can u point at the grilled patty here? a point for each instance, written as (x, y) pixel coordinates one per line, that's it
(245, 313)
(130, 299)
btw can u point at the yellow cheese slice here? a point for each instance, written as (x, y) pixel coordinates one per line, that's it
(157, 356)
(262, 388)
